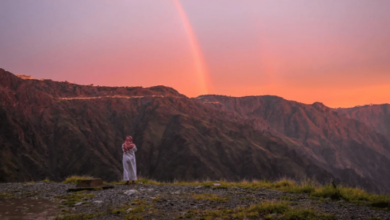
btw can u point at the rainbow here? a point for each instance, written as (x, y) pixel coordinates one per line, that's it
(197, 52)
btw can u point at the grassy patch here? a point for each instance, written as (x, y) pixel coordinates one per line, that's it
(133, 217)
(191, 213)
(247, 198)
(308, 214)
(210, 197)
(311, 188)
(147, 181)
(6, 196)
(286, 198)
(139, 181)
(267, 210)
(354, 195)
(47, 180)
(284, 185)
(78, 216)
(74, 179)
(71, 200)
(138, 209)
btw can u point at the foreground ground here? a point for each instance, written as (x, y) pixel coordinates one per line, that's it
(45, 200)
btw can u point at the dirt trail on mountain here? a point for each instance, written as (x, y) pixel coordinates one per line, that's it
(114, 96)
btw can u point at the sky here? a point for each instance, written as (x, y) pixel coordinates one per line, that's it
(330, 51)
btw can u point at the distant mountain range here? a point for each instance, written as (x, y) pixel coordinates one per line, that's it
(57, 129)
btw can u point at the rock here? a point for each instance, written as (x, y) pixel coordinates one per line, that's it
(97, 202)
(131, 192)
(198, 187)
(128, 210)
(217, 184)
(77, 204)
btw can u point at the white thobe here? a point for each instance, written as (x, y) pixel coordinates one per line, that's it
(129, 165)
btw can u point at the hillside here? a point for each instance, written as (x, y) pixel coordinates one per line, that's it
(348, 149)
(376, 117)
(56, 129)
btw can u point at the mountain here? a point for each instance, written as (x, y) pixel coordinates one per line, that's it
(347, 148)
(376, 117)
(57, 129)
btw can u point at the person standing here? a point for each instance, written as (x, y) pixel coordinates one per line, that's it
(129, 162)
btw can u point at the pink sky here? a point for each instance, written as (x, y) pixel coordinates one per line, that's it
(335, 52)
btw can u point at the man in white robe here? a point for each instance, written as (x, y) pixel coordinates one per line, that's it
(129, 162)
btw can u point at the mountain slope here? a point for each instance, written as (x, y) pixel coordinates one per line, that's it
(376, 117)
(346, 148)
(56, 129)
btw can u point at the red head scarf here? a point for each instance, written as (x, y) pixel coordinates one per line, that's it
(128, 144)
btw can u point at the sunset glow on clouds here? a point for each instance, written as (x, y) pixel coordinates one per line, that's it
(335, 52)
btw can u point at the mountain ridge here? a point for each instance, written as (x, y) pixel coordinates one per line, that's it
(46, 135)
(321, 132)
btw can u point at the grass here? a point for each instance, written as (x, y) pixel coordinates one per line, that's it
(75, 179)
(80, 216)
(210, 197)
(47, 180)
(71, 200)
(354, 195)
(286, 198)
(139, 181)
(6, 196)
(267, 210)
(135, 211)
(313, 189)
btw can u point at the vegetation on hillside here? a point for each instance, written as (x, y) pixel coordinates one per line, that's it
(314, 189)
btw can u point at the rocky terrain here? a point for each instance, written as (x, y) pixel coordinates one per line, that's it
(167, 201)
(54, 129)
